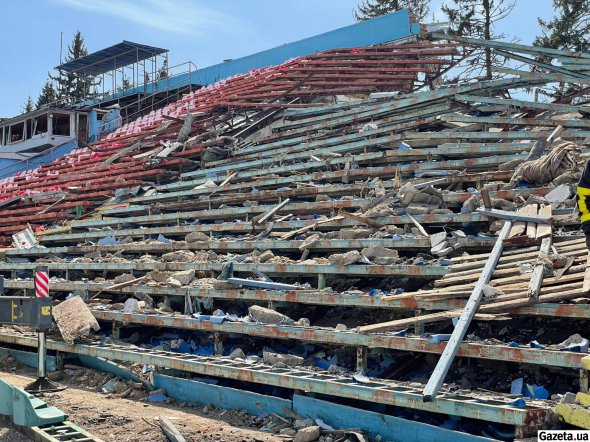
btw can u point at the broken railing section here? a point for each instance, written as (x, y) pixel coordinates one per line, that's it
(442, 368)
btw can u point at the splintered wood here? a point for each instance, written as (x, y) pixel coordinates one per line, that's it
(519, 279)
(532, 231)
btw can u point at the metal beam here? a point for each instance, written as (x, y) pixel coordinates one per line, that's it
(378, 391)
(444, 364)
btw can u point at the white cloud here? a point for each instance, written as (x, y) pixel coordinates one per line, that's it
(180, 16)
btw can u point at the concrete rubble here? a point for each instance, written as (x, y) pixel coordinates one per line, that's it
(332, 246)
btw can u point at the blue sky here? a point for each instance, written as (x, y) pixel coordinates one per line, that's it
(203, 31)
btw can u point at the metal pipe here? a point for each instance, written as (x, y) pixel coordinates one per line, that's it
(444, 363)
(41, 354)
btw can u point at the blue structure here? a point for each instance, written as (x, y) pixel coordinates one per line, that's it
(9, 167)
(371, 32)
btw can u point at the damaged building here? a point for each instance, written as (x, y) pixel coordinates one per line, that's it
(336, 246)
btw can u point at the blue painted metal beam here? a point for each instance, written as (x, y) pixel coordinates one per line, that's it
(380, 391)
(201, 393)
(377, 424)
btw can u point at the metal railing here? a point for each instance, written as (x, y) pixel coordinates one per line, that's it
(172, 72)
(38, 160)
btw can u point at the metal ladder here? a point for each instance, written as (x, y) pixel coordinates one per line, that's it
(65, 431)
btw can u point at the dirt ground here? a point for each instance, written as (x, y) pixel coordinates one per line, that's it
(124, 420)
(9, 434)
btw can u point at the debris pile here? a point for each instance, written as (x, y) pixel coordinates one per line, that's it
(327, 240)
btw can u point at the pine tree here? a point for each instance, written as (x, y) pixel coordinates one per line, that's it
(73, 86)
(48, 96)
(28, 106)
(476, 18)
(375, 8)
(569, 29)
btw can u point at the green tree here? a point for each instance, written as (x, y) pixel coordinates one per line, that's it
(28, 106)
(476, 18)
(369, 9)
(569, 29)
(73, 87)
(48, 96)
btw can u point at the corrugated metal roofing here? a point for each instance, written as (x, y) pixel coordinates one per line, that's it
(111, 58)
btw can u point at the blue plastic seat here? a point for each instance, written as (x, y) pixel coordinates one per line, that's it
(6, 395)
(30, 411)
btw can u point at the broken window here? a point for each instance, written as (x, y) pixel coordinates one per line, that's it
(29, 128)
(40, 125)
(17, 132)
(61, 124)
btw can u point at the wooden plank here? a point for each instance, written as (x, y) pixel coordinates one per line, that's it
(531, 228)
(539, 270)
(520, 227)
(586, 283)
(544, 230)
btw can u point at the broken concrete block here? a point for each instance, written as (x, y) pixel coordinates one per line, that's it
(303, 322)
(179, 256)
(74, 319)
(503, 204)
(308, 434)
(355, 233)
(437, 238)
(319, 198)
(277, 358)
(310, 241)
(288, 432)
(184, 276)
(344, 259)
(159, 276)
(238, 353)
(303, 423)
(196, 236)
(265, 256)
(173, 282)
(131, 305)
(268, 316)
(559, 195)
(380, 255)
(341, 327)
(439, 247)
(125, 277)
(443, 251)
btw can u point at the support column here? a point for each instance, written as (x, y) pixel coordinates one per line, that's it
(218, 344)
(321, 281)
(116, 330)
(361, 359)
(419, 327)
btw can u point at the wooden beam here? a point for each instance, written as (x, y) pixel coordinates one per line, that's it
(539, 270)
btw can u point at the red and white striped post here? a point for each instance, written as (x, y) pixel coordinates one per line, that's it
(42, 291)
(42, 282)
(42, 384)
